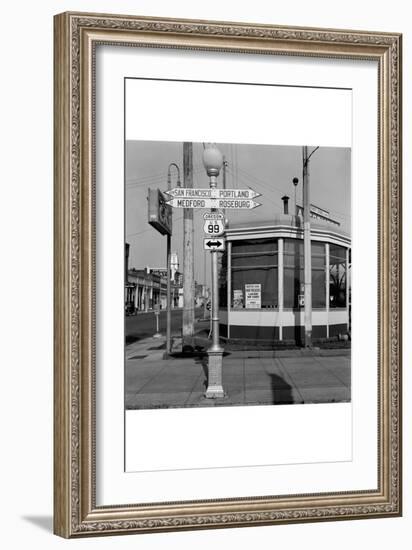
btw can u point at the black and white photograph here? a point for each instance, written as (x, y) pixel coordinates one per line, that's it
(237, 282)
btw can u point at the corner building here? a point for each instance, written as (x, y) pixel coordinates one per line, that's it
(262, 276)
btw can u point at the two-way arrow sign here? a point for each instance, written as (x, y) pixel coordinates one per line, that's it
(213, 244)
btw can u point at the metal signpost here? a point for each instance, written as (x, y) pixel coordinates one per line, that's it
(157, 313)
(160, 217)
(214, 227)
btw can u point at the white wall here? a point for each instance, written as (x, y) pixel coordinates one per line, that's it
(26, 274)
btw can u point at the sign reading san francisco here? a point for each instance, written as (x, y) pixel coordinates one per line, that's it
(207, 193)
(230, 199)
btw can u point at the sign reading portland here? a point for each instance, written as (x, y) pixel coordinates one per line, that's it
(231, 199)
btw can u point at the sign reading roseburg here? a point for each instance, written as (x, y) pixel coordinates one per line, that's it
(228, 204)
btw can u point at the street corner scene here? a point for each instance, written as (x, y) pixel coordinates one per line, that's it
(237, 274)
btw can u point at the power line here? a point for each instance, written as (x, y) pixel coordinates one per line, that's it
(159, 175)
(149, 229)
(247, 180)
(151, 180)
(271, 187)
(262, 182)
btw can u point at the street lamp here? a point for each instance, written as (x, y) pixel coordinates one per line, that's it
(168, 262)
(295, 182)
(213, 162)
(169, 176)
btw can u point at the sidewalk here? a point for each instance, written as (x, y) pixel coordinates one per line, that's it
(249, 377)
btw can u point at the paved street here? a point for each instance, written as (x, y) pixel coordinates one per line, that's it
(143, 325)
(249, 377)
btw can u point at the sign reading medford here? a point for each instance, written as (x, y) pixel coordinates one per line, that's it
(160, 214)
(228, 204)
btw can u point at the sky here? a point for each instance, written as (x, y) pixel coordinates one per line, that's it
(268, 169)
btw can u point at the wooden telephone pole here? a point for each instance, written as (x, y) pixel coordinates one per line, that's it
(188, 256)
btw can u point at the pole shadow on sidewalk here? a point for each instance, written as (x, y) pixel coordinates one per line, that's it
(281, 391)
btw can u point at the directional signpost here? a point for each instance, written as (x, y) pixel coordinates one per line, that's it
(214, 199)
(229, 199)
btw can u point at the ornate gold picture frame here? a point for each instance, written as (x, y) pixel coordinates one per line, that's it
(77, 511)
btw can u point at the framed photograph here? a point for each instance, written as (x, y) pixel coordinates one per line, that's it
(227, 274)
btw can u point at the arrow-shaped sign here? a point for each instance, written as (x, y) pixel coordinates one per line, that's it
(228, 204)
(207, 193)
(214, 244)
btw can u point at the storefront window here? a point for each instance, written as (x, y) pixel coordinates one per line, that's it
(255, 274)
(337, 276)
(318, 275)
(293, 274)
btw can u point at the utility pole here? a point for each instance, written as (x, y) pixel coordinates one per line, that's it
(168, 266)
(307, 249)
(168, 297)
(225, 220)
(188, 256)
(224, 166)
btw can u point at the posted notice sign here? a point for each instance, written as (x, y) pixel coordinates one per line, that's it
(237, 299)
(253, 296)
